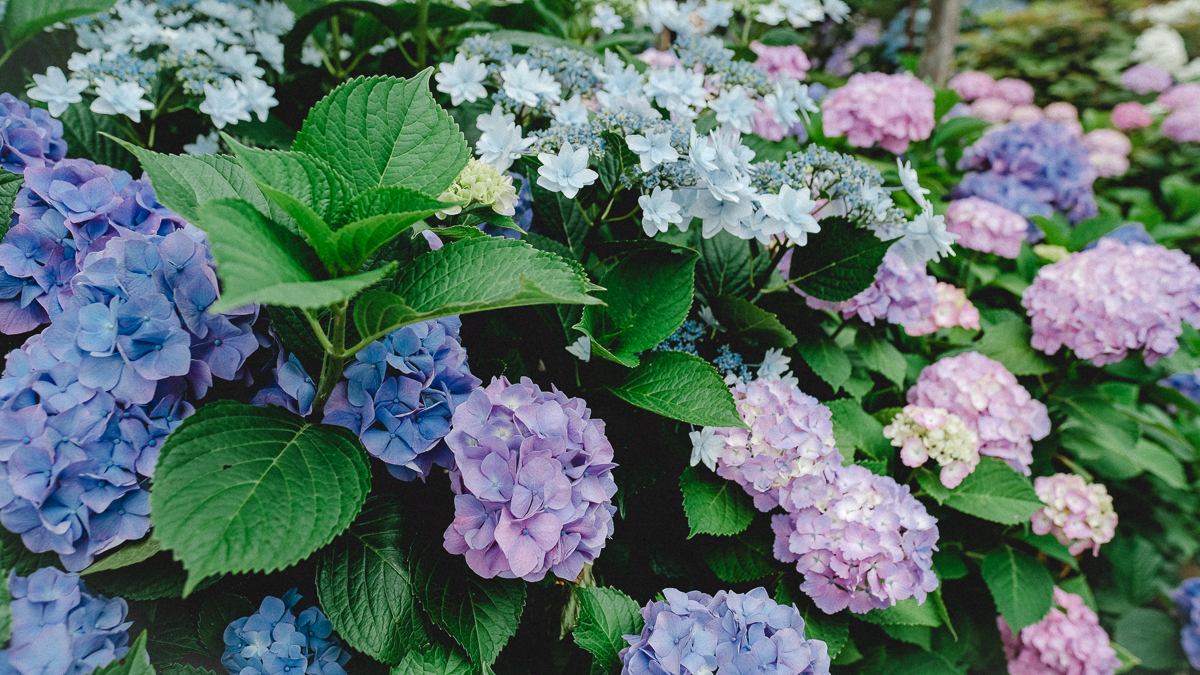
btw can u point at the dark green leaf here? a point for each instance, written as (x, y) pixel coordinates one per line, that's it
(1007, 341)
(881, 356)
(854, 429)
(959, 127)
(737, 560)
(436, 660)
(174, 634)
(919, 663)
(905, 613)
(839, 262)
(480, 614)
(25, 18)
(1151, 636)
(156, 578)
(724, 267)
(1022, 588)
(713, 505)
(217, 612)
(827, 360)
(82, 131)
(1049, 544)
(380, 215)
(995, 492)
(10, 185)
(744, 319)
(605, 615)
(128, 554)
(682, 387)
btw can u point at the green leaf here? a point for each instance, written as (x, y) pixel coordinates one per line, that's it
(1049, 544)
(1151, 636)
(380, 131)
(839, 262)
(1007, 341)
(380, 214)
(240, 488)
(257, 262)
(480, 614)
(881, 356)
(904, 613)
(174, 636)
(713, 505)
(724, 267)
(931, 483)
(827, 360)
(436, 661)
(648, 296)
(1079, 586)
(471, 275)
(605, 615)
(736, 560)
(682, 387)
(153, 579)
(365, 584)
(10, 185)
(25, 18)
(744, 319)
(919, 663)
(995, 492)
(15, 555)
(854, 429)
(921, 636)
(187, 669)
(312, 13)
(135, 662)
(1159, 461)
(129, 554)
(1056, 228)
(1022, 588)
(217, 612)
(959, 127)
(5, 613)
(559, 218)
(83, 129)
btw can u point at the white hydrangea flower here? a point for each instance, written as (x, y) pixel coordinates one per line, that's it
(706, 447)
(790, 213)
(463, 79)
(718, 214)
(56, 90)
(908, 178)
(120, 98)
(925, 239)
(1162, 46)
(774, 365)
(607, 20)
(258, 97)
(525, 85)
(571, 112)
(735, 108)
(501, 142)
(225, 105)
(652, 149)
(204, 145)
(581, 349)
(935, 433)
(677, 89)
(659, 210)
(567, 171)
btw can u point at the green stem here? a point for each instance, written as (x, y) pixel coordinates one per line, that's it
(422, 32)
(335, 354)
(336, 27)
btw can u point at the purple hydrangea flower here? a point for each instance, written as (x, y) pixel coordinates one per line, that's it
(1187, 605)
(871, 108)
(1079, 514)
(58, 627)
(533, 475)
(1068, 640)
(29, 137)
(900, 294)
(749, 634)
(276, 641)
(862, 541)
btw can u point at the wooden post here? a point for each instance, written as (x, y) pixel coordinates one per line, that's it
(937, 58)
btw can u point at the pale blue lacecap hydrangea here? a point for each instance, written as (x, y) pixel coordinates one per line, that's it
(833, 176)
(28, 137)
(744, 633)
(533, 478)
(276, 640)
(719, 66)
(86, 405)
(59, 628)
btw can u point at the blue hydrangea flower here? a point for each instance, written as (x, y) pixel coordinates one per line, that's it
(28, 137)
(58, 627)
(276, 641)
(1187, 605)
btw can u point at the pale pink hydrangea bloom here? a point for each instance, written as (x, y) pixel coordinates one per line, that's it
(992, 109)
(1026, 114)
(972, 84)
(1182, 125)
(1016, 92)
(1108, 151)
(789, 61)
(1069, 641)
(990, 401)
(900, 294)
(871, 108)
(764, 124)
(1103, 302)
(952, 309)
(985, 226)
(1061, 111)
(1145, 78)
(924, 433)
(656, 59)
(788, 445)
(1181, 97)
(1131, 115)
(1079, 514)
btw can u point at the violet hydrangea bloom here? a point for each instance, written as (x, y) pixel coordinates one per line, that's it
(789, 443)
(1146, 78)
(1079, 514)
(862, 542)
(900, 294)
(871, 108)
(1103, 302)
(1187, 605)
(985, 226)
(533, 475)
(59, 627)
(990, 401)
(86, 405)
(1068, 640)
(746, 633)
(276, 640)
(29, 137)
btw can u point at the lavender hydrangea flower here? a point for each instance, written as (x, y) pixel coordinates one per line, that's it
(29, 137)
(87, 404)
(533, 475)
(276, 640)
(984, 226)
(1079, 514)
(1116, 297)
(901, 294)
(750, 634)
(1187, 605)
(1068, 640)
(58, 627)
(871, 108)
(862, 541)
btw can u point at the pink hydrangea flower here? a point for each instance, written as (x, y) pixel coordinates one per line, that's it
(1145, 78)
(1016, 92)
(1026, 114)
(992, 109)
(924, 433)
(973, 84)
(1103, 302)
(1061, 111)
(890, 110)
(1078, 513)
(763, 123)
(789, 61)
(1181, 97)
(656, 59)
(864, 542)
(900, 294)
(1131, 115)
(790, 440)
(1182, 125)
(1069, 641)
(986, 226)
(991, 402)
(1108, 151)
(952, 309)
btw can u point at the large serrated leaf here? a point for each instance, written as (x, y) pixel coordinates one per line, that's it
(740, 559)
(240, 488)
(1022, 588)
(1007, 341)
(749, 321)
(605, 615)
(995, 492)
(724, 267)
(379, 215)
(907, 612)
(680, 386)
(131, 553)
(365, 584)
(881, 356)
(436, 660)
(25, 18)
(714, 505)
(380, 131)
(839, 262)
(827, 360)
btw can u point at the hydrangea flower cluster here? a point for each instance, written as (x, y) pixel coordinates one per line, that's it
(788, 446)
(1183, 122)
(533, 475)
(64, 212)
(863, 542)
(875, 108)
(1031, 169)
(1068, 640)
(787, 61)
(87, 403)
(480, 183)
(276, 641)
(1108, 151)
(924, 433)
(1078, 513)
(951, 309)
(748, 633)
(986, 226)
(691, 18)
(1187, 605)
(1131, 115)
(1103, 302)
(990, 401)
(28, 137)
(1146, 78)
(900, 294)
(59, 627)
(208, 48)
